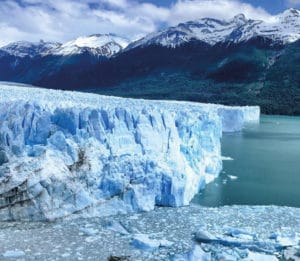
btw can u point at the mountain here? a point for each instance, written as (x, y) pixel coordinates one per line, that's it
(98, 44)
(29, 62)
(283, 28)
(23, 48)
(235, 62)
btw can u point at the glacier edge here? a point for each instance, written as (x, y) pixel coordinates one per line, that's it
(63, 152)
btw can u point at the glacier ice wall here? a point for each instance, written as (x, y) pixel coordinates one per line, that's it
(235, 118)
(62, 152)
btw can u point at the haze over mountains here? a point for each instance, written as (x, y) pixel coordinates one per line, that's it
(236, 62)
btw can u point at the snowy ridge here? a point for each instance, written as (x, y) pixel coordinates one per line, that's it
(283, 28)
(62, 152)
(97, 44)
(23, 48)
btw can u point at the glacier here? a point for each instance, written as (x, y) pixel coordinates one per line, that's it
(63, 152)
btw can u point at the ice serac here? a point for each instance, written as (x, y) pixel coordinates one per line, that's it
(63, 152)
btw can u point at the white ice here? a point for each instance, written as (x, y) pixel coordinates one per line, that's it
(62, 152)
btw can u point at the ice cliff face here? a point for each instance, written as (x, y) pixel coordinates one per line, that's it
(62, 152)
(235, 118)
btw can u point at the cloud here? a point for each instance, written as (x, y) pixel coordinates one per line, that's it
(67, 19)
(64, 20)
(222, 9)
(294, 3)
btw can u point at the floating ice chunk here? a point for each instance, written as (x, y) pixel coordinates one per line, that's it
(89, 231)
(226, 256)
(224, 158)
(288, 241)
(254, 256)
(238, 233)
(143, 242)
(116, 227)
(232, 177)
(166, 243)
(239, 239)
(14, 253)
(204, 237)
(292, 254)
(196, 254)
(91, 239)
(65, 255)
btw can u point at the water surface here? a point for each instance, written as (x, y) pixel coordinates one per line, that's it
(265, 168)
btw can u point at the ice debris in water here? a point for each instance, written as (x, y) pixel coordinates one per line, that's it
(144, 242)
(116, 227)
(226, 158)
(232, 177)
(186, 233)
(14, 253)
(196, 254)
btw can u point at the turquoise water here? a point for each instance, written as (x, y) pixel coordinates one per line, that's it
(266, 166)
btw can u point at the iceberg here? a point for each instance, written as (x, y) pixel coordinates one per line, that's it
(63, 152)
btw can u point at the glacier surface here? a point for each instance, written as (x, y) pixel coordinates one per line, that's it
(63, 152)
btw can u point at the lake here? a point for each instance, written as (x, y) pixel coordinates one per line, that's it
(265, 169)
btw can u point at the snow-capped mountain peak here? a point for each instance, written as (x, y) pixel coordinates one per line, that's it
(98, 44)
(25, 48)
(291, 12)
(239, 19)
(283, 28)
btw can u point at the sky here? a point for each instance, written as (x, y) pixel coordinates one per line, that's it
(64, 20)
